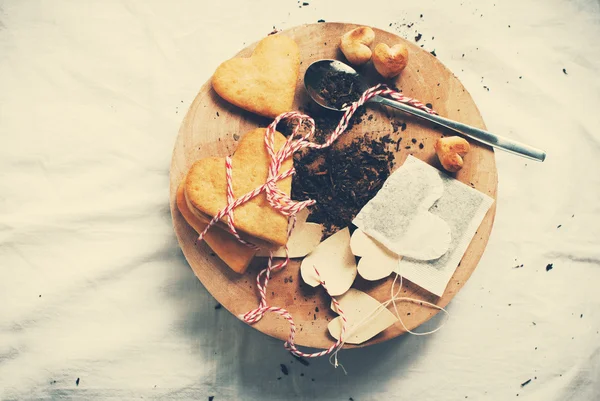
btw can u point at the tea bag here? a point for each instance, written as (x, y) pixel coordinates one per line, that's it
(463, 208)
(399, 215)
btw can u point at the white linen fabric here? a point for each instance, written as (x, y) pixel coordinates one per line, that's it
(96, 298)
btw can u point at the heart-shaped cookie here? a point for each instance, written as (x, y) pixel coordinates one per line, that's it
(398, 217)
(451, 150)
(235, 254)
(389, 62)
(264, 83)
(355, 45)
(206, 187)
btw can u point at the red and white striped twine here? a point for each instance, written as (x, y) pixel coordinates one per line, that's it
(282, 202)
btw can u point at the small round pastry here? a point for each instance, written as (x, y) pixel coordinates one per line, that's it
(389, 62)
(450, 151)
(355, 45)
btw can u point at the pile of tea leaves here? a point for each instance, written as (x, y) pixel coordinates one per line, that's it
(342, 179)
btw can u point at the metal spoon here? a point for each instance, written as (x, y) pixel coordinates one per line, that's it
(317, 70)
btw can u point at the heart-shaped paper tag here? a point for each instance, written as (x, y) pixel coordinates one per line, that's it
(398, 216)
(206, 187)
(302, 241)
(376, 261)
(365, 317)
(335, 263)
(264, 83)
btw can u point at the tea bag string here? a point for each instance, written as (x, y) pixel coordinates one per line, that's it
(283, 203)
(383, 306)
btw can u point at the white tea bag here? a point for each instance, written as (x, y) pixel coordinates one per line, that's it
(463, 209)
(399, 215)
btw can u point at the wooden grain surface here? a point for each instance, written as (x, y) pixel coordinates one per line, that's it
(212, 127)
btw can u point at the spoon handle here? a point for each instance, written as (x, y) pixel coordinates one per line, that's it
(475, 133)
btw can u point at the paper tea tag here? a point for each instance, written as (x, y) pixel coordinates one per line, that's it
(334, 261)
(365, 316)
(303, 240)
(376, 261)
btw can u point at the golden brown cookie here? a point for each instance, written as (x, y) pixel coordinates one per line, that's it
(264, 83)
(235, 254)
(451, 150)
(206, 188)
(355, 45)
(205, 219)
(389, 62)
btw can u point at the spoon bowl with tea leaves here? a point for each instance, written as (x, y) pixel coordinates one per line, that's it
(334, 85)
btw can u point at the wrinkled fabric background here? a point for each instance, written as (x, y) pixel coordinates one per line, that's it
(94, 286)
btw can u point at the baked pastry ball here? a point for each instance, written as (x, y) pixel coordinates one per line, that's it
(390, 61)
(450, 151)
(355, 45)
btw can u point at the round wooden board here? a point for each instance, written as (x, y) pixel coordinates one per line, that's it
(212, 127)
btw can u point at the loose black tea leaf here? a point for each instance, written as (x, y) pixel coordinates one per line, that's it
(301, 360)
(525, 383)
(284, 369)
